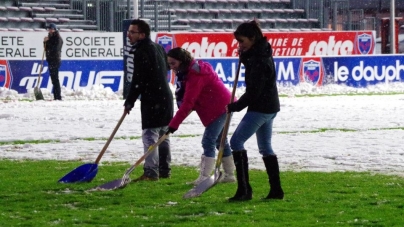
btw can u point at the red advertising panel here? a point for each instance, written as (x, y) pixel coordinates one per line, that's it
(322, 43)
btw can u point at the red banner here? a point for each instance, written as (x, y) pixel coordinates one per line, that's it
(322, 43)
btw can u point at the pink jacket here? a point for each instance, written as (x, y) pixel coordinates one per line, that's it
(204, 92)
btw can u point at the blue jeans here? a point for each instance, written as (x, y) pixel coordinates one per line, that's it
(258, 123)
(150, 137)
(212, 136)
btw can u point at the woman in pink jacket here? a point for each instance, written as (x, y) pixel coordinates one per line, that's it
(199, 88)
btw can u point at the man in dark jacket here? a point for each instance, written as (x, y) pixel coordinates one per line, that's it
(53, 45)
(149, 83)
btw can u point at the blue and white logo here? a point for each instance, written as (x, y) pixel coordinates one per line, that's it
(364, 43)
(166, 42)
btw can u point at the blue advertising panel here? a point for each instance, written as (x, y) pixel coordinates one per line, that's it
(362, 71)
(72, 74)
(351, 71)
(226, 68)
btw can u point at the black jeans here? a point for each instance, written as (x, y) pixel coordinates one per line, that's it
(54, 75)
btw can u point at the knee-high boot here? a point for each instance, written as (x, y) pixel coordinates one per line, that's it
(272, 167)
(244, 190)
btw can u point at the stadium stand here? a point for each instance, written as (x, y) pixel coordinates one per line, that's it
(220, 15)
(191, 15)
(30, 15)
(195, 15)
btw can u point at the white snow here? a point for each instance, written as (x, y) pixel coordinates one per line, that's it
(306, 136)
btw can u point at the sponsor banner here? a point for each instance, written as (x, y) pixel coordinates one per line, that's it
(110, 45)
(226, 68)
(353, 71)
(322, 43)
(5, 74)
(73, 75)
(76, 45)
(361, 71)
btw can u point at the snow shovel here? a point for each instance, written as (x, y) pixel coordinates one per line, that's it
(125, 180)
(37, 90)
(86, 172)
(215, 178)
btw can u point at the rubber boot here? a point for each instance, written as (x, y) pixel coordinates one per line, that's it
(207, 166)
(164, 162)
(200, 167)
(244, 190)
(272, 167)
(228, 167)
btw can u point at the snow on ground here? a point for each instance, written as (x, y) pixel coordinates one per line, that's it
(307, 133)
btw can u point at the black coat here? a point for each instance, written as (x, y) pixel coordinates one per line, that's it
(261, 93)
(54, 47)
(149, 81)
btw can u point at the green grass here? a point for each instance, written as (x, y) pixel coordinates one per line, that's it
(31, 196)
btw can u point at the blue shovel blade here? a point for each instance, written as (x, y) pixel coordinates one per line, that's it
(83, 173)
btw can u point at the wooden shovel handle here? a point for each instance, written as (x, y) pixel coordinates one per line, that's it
(227, 122)
(144, 156)
(110, 139)
(40, 69)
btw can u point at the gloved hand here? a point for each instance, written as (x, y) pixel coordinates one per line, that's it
(171, 130)
(229, 108)
(128, 108)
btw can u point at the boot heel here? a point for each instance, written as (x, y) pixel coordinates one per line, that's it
(272, 168)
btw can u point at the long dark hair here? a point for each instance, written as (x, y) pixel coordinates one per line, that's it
(250, 29)
(181, 55)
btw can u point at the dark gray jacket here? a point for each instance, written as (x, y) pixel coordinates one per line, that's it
(149, 81)
(54, 47)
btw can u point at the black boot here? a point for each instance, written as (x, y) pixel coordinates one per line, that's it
(244, 190)
(57, 92)
(272, 166)
(164, 162)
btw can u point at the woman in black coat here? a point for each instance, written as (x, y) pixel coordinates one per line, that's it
(262, 102)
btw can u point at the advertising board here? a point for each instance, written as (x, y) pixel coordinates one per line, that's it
(98, 58)
(321, 43)
(353, 71)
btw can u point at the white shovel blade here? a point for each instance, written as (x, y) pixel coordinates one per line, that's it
(203, 186)
(112, 185)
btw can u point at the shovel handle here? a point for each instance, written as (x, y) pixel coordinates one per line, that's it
(40, 69)
(144, 156)
(227, 122)
(110, 139)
